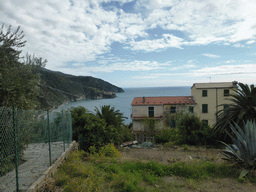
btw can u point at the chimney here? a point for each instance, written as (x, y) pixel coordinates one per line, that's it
(143, 99)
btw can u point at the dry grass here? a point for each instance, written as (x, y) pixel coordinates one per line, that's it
(167, 155)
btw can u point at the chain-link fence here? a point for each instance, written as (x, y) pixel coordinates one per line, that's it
(30, 141)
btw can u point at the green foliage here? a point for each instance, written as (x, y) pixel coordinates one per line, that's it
(110, 115)
(193, 131)
(243, 151)
(150, 127)
(242, 109)
(189, 130)
(57, 88)
(169, 135)
(109, 151)
(185, 147)
(74, 175)
(108, 175)
(125, 133)
(18, 83)
(90, 130)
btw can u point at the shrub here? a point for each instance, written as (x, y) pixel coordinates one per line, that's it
(168, 135)
(90, 130)
(109, 151)
(195, 132)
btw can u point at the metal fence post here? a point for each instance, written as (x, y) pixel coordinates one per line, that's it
(49, 137)
(70, 127)
(63, 130)
(16, 147)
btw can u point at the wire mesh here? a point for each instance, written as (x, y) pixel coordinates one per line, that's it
(30, 141)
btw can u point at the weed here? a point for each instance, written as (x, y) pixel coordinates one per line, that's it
(109, 151)
(106, 173)
(185, 147)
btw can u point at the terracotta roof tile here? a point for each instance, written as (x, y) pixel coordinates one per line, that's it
(163, 100)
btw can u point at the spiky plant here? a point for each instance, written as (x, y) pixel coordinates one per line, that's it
(243, 151)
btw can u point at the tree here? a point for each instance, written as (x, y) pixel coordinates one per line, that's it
(90, 130)
(18, 83)
(193, 131)
(150, 128)
(242, 109)
(110, 115)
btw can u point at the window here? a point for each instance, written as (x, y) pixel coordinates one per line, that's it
(150, 111)
(204, 93)
(173, 109)
(225, 107)
(191, 109)
(205, 122)
(204, 108)
(226, 92)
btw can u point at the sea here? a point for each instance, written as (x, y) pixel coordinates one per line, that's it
(122, 101)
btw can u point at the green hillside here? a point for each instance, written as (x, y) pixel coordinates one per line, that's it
(57, 88)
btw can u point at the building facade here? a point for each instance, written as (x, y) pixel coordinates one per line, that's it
(209, 96)
(157, 108)
(204, 102)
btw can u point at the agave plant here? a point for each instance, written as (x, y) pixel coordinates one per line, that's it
(243, 151)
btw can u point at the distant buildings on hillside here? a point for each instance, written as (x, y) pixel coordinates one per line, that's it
(204, 102)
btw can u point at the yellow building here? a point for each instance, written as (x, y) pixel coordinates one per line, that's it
(208, 97)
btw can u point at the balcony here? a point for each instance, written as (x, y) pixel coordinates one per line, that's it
(143, 117)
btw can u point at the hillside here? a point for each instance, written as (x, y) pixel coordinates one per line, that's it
(57, 88)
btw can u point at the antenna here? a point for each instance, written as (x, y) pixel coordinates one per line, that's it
(210, 79)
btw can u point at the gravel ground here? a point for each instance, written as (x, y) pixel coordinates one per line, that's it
(36, 158)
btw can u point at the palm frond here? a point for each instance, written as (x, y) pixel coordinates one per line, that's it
(243, 107)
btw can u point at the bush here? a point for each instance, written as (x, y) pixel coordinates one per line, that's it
(168, 135)
(109, 151)
(90, 130)
(189, 130)
(195, 132)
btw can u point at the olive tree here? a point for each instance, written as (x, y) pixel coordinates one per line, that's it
(18, 83)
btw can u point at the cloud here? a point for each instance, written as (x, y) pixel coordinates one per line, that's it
(62, 31)
(231, 61)
(245, 69)
(166, 41)
(238, 45)
(114, 64)
(210, 55)
(250, 42)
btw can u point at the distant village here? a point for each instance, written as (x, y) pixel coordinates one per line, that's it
(106, 95)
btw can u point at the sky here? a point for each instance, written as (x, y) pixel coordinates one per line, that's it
(140, 43)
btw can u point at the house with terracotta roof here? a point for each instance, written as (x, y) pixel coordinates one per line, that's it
(157, 108)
